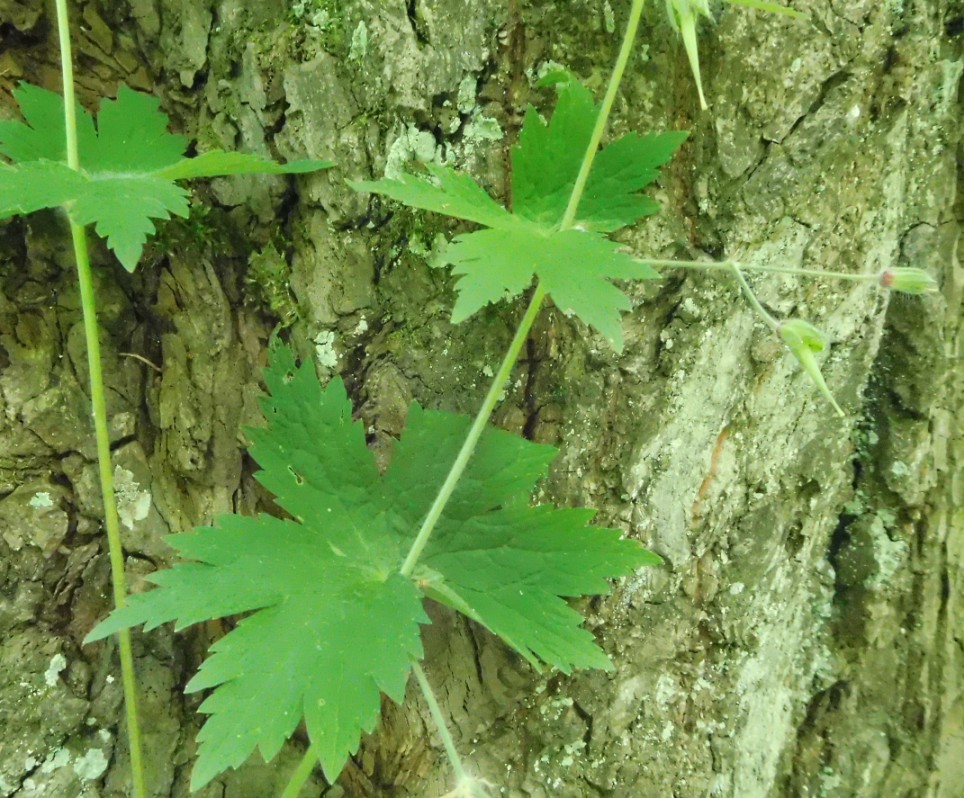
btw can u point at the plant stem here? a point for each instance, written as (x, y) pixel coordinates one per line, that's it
(505, 370)
(99, 408)
(475, 432)
(302, 773)
(748, 292)
(538, 295)
(728, 265)
(439, 718)
(603, 116)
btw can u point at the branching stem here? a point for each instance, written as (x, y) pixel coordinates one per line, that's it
(535, 303)
(99, 409)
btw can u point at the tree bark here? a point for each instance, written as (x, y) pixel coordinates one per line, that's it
(806, 635)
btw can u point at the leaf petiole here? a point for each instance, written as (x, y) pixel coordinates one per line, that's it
(773, 8)
(771, 322)
(505, 369)
(475, 432)
(608, 99)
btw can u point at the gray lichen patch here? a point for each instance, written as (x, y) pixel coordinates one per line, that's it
(37, 708)
(133, 502)
(57, 664)
(33, 515)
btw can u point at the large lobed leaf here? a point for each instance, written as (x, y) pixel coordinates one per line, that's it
(501, 262)
(333, 623)
(128, 165)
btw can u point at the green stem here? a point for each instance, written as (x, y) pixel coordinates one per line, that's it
(772, 322)
(728, 265)
(439, 718)
(505, 370)
(535, 303)
(610, 97)
(475, 432)
(99, 408)
(302, 773)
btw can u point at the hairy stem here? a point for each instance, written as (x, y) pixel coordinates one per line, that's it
(302, 773)
(439, 719)
(728, 265)
(99, 409)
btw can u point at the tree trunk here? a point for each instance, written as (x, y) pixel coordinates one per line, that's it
(806, 635)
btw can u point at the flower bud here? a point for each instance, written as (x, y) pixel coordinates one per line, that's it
(907, 280)
(803, 339)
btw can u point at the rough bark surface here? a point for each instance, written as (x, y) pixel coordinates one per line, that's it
(806, 636)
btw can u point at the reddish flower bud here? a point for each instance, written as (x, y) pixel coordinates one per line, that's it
(907, 280)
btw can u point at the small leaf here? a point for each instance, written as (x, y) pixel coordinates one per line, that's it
(574, 265)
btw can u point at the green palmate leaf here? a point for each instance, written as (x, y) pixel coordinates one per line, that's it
(131, 137)
(329, 635)
(121, 209)
(500, 263)
(494, 557)
(36, 185)
(333, 623)
(620, 171)
(127, 166)
(546, 160)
